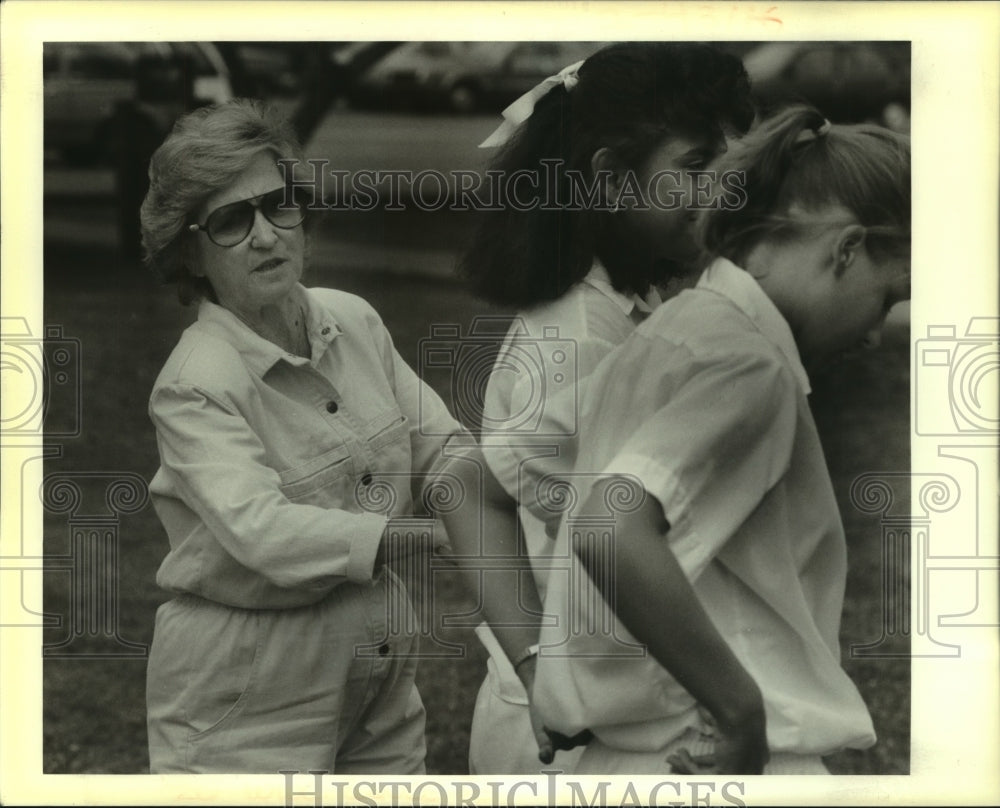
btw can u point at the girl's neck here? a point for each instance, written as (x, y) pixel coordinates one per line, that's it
(786, 273)
(623, 264)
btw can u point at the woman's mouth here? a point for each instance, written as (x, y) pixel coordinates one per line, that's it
(269, 264)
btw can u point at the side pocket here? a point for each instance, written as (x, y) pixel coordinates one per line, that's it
(225, 682)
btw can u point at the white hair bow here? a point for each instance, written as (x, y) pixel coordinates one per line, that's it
(518, 112)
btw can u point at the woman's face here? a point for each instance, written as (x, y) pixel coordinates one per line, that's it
(849, 308)
(667, 183)
(263, 268)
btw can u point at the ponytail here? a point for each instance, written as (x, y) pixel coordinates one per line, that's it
(628, 98)
(796, 161)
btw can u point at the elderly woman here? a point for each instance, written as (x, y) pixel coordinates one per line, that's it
(279, 415)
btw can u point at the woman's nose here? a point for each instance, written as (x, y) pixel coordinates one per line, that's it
(263, 233)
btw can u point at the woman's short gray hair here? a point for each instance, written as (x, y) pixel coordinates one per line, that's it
(206, 150)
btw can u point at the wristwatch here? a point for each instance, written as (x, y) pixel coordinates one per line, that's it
(524, 656)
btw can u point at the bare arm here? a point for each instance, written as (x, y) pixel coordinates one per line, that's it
(486, 524)
(655, 601)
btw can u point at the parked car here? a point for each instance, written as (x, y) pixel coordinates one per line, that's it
(464, 76)
(847, 81)
(85, 82)
(350, 60)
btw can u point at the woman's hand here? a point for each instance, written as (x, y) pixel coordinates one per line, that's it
(654, 599)
(741, 743)
(549, 741)
(526, 673)
(740, 747)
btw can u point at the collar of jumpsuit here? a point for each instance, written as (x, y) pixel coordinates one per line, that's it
(261, 354)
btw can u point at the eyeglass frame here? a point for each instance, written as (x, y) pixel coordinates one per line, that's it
(196, 227)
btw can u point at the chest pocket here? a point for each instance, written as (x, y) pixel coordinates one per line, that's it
(386, 429)
(387, 482)
(335, 478)
(387, 443)
(323, 481)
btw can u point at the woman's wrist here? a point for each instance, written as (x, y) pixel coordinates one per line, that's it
(529, 653)
(743, 705)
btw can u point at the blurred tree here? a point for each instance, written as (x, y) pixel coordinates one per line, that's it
(239, 77)
(164, 89)
(319, 90)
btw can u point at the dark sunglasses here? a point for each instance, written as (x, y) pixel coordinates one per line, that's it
(231, 224)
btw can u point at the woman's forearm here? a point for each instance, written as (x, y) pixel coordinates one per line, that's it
(489, 551)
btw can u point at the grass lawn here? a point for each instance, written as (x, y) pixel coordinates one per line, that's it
(94, 710)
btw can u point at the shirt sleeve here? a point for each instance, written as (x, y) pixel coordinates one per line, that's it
(721, 440)
(535, 420)
(432, 426)
(217, 465)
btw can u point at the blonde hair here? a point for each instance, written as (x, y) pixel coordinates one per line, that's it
(797, 161)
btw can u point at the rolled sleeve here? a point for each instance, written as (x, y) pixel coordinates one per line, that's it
(536, 433)
(710, 466)
(432, 426)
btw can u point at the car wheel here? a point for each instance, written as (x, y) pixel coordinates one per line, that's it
(464, 97)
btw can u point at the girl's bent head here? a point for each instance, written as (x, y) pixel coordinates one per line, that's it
(628, 101)
(823, 224)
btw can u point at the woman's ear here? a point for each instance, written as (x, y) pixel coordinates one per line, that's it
(847, 245)
(606, 161)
